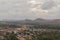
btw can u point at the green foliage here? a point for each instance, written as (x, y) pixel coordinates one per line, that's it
(50, 26)
(10, 36)
(47, 36)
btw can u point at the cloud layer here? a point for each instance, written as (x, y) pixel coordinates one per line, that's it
(29, 9)
(48, 9)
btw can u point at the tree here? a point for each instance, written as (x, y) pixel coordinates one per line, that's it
(10, 36)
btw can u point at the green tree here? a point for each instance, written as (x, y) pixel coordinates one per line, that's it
(10, 36)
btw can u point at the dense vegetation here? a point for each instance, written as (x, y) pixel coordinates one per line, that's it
(36, 35)
(47, 36)
(47, 27)
(10, 36)
(42, 35)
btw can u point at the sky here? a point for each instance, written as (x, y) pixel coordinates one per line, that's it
(29, 9)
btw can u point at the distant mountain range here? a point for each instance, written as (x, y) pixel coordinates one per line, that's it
(36, 21)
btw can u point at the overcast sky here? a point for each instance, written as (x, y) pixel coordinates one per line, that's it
(29, 9)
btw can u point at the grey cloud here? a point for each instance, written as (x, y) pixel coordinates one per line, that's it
(55, 13)
(48, 4)
(13, 9)
(20, 9)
